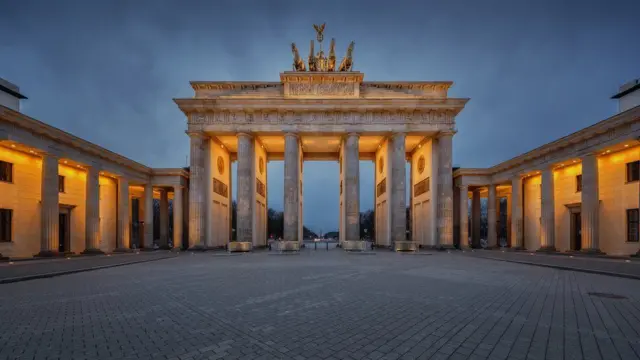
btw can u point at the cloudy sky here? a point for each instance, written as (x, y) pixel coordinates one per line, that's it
(107, 70)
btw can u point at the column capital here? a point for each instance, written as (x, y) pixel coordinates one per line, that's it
(178, 187)
(398, 133)
(244, 134)
(196, 134)
(353, 134)
(445, 133)
(463, 186)
(292, 134)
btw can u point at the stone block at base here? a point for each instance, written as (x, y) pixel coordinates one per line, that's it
(122, 250)
(286, 245)
(92, 252)
(405, 246)
(355, 245)
(547, 249)
(239, 246)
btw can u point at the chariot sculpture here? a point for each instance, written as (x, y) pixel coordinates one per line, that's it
(318, 61)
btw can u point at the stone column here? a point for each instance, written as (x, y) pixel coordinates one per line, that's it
(517, 222)
(492, 235)
(245, 181)
(177, 217)
(464, 216)
(196, 191)
(123, 239)
(92, 212)
(49, 206)
(445, 190)
(352, 186)
(398, 195)
(475, 219)
(164, 219)
(291, 191)
(590, 204)
(148, 216)
(547, 226)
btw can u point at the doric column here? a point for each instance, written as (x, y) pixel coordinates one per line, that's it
(352, 186)
(196, 191)
(445, 190)
(398, 184)
(246, 183)
(475, 219)
(547, 227)
(517, 222)
(92, 212)
(148, 216)
(589, 213)
(464, 216)
(124, 223)
(492, 236)
(50, 207)
(177, 217)
(164, 219)
(291, 191)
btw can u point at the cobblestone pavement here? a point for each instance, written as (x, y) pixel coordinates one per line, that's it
(10, 271)
(623, 267)
(322, 305)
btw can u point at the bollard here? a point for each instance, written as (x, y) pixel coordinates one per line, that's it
(315, 245)
(327, 245)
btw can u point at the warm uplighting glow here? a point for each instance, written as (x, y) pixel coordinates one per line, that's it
(222, 146)
(419, 146)
(65, 161)
(608, 151)
(627, 145)
(575, 161)
(12, 145)
(31, 151)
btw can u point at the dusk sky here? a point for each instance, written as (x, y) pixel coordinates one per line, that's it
(107, 71)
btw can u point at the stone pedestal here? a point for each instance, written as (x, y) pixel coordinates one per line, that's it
(398, 208)
(445, 190)
(196, 191)
(517, 222)
(92, 213)
(352, 186)
(355, 245)
(50, 207)
(492, 235)
(240, 246)
(547, 227)
(464, 216)
(148, 216)
(291, 190)
(590, 207)
(402, 246)
(286, 245)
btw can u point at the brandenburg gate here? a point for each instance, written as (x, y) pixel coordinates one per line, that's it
(320, 111)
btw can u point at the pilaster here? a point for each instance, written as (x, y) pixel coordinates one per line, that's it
(148, 216)
(196, 191)
(547, 226)
(445, 190)
(123, 239)
(50, 207)
(291, 191)
(92, 212)
(590, 207)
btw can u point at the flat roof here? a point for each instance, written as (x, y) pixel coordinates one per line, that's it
(11, 91)
(627, 91)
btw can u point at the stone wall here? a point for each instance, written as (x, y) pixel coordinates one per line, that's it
(532, 212)
(423, 229)
(383, 215)
(108, 213)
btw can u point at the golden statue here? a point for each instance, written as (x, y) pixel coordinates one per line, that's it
(298, 64)
(332, 56)
(312, 58)
(347, 62)
(319, 31)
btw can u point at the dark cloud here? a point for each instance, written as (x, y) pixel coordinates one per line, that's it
(107, 70)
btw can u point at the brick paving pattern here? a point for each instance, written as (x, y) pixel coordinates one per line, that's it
(321, 305)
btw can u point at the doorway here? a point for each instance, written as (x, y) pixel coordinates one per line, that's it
(64, 234)
(576, 231)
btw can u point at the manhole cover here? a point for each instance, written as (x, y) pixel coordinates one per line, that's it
(607, 295)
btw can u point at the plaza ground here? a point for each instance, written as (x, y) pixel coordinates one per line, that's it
(322, 305)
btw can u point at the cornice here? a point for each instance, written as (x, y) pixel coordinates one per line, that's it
(170, 172)
(190, 105)
(472, 172)
(35, 126)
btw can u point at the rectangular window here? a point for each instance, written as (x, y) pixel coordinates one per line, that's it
(60, 183)
(633, 171)
(6, 171)
(632, 225)
(5, 225)
(579, 183)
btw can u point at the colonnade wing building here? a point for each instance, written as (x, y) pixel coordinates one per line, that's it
(61, 194)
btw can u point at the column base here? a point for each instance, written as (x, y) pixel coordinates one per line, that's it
(286, 246)
(240, 246)
(400, 246)
(592, 252)
(517, 248)
(165, 247)
(122, 250)
(92, 252)
(445, 247)
(547, 249)
(49, 253)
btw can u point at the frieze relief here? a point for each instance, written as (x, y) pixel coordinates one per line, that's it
(331, 89)
(322, 118)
